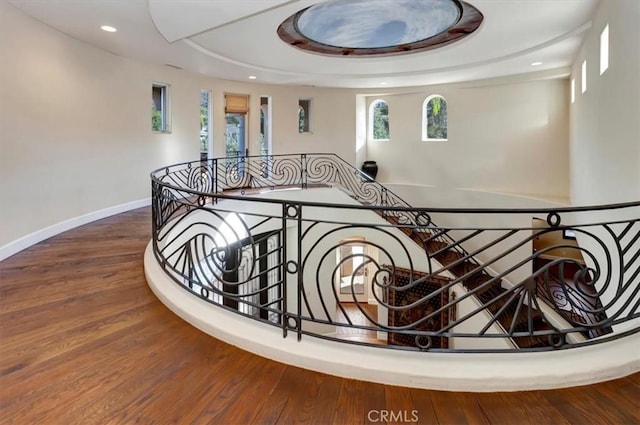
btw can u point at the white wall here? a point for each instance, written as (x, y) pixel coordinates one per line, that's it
(605, 141)
(332, 118)
(605, 121)
(504, 136)
(75, 121)
(332, 121)
(76, 129)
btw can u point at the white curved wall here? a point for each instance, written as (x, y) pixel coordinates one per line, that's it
(441, 371)
(605, 132)
(76, 132)
(605, 124)
(504, 136)
(75, 122)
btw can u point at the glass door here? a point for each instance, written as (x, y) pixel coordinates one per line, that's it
(352, 276)
(235, 134)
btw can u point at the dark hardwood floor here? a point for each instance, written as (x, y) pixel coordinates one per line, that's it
(352, 311)
(84, 341)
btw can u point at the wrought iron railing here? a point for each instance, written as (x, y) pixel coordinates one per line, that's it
(227, 231)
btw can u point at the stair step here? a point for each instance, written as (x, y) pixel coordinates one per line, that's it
(467, 268)
(433, 246)
(446, 255)
(487, 293)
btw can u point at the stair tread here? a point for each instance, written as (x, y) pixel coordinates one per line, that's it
(447, 255)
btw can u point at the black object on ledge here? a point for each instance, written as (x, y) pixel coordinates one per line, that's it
(370, 168)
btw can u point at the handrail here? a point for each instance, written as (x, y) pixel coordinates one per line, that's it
(276, 260)
(156, 175)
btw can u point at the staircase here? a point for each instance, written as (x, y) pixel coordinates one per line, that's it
(513, 315)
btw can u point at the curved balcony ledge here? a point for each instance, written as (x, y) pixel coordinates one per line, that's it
(489, 300)
(479, 372)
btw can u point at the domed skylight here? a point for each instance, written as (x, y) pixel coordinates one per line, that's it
(368, 24)
(372, 27)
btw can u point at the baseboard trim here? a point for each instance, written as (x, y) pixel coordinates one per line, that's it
(31, 239)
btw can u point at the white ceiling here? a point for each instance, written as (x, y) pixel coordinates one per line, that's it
(232, 39)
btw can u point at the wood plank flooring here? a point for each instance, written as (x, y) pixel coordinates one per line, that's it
(352, 311)
(84, 341)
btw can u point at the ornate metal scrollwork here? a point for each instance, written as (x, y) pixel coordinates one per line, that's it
(412, 284)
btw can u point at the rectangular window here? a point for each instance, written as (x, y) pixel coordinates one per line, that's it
(205, 120)
(160, 113)
(584, 76)
(604, 50)
(304, 115)
(378, 120)
(236, 110)
(265, 125)
(573, 90)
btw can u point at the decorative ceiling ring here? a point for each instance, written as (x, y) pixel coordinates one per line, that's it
(389, 27)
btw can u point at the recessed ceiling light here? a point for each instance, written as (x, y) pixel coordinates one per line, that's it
(536, 64)
(108, 28)
(252, 77)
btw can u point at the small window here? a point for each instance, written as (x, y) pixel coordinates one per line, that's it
(584, 76)
(604, 50)
(573, 90)
(379, 120)
(205, 120)
(160, 117)
(265, 125)
(434, 119)
(304, 115)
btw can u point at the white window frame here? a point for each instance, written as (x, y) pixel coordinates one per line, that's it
(370, 135)
(573, 90)
(425, 120)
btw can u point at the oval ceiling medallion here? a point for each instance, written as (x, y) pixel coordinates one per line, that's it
(379, 27)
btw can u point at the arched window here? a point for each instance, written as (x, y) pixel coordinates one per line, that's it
(379, 120)
(434, 118)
